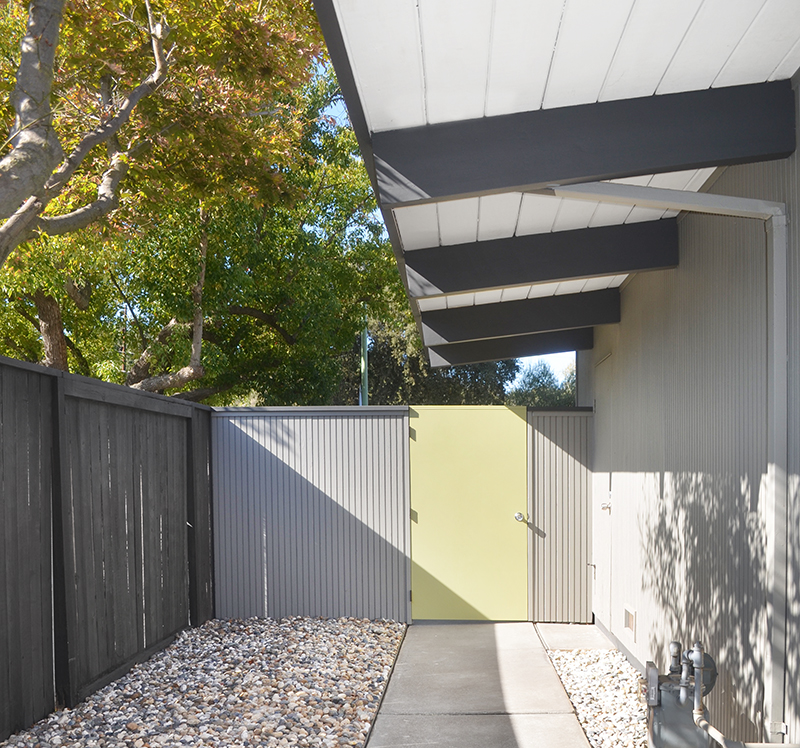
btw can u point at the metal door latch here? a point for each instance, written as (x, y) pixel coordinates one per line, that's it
(606, 507)
(520, 517)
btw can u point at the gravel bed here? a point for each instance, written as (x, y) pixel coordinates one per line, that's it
(608, 696)
(258, 682)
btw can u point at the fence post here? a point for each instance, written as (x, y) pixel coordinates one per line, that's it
(63, 593)
(198, 513)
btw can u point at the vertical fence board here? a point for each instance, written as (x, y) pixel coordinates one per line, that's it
(26, 662)
(559, 452)
(310, 510)
(94, 502)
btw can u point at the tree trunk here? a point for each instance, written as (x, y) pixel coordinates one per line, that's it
(52, 329)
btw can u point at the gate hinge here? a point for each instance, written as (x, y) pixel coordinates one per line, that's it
(778, 728)
(409, 596)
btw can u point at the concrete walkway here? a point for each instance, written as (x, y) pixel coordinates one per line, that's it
(475, 685)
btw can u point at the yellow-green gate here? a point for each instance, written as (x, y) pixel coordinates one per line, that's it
(468, 481)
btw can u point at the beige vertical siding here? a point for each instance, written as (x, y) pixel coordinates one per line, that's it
(680, 429)
(560, 581)
(311, 512)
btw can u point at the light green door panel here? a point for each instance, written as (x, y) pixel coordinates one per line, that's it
(468, 479)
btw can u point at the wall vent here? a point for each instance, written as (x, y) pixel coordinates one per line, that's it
(629, 621)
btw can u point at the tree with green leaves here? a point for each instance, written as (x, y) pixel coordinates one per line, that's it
(97, 96)
(538, 387)
(220, 297)
(399, 373)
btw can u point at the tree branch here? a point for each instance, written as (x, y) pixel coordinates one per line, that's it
(170, 381)
(35, 146)
(23, 223)
(270, 320)
(141, 369)
(81, 296)
(136, 321)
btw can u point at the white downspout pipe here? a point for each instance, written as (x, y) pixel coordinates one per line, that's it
(774, 216)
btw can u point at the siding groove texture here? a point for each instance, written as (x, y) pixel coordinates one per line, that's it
(311, 512)
(688, 429)
(560, 486)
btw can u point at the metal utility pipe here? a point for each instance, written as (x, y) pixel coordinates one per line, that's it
(717, 736)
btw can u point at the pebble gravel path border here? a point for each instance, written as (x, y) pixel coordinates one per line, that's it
(607, 693)
(236, 684)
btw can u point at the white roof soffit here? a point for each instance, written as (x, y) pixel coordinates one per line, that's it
(467, 112)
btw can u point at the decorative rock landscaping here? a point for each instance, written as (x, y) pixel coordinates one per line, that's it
(259, 682)
(607, 693)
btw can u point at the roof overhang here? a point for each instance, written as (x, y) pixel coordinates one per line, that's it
(475, 119)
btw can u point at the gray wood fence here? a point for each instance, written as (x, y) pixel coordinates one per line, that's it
(105, 534)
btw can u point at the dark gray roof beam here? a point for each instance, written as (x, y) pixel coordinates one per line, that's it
(543, 258)
(518, 346)
(587, 143)
(523, 317)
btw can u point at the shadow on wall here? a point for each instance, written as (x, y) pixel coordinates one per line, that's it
(306, 539)
(703, 545)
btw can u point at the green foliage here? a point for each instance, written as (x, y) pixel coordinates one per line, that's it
(399, 374)
(286, 282)
(539, 388)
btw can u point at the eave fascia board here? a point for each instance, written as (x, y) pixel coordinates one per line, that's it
(518, 346)
(586, 143)
(524, 317)
(542, 258)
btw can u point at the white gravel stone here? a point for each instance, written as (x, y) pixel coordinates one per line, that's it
(608, 696)
(258, 682)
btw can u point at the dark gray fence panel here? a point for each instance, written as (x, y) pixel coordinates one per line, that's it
(201, 547)
(125, 533)
(26, 661)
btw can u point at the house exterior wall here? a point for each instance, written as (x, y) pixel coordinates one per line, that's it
(311, 512)
(681, 435)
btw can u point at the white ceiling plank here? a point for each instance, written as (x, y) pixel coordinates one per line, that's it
(458, 221)
(640, 181)
(770, 38)
(598, 284)
(516, 293)
(574, 214)
(455, 52)
(418, 226)
(498, 215)
(718, 27)
(540, 290)
(589, 34)
(388, 74)
(431, 305)
(460, 299)
(671, 213)
(673, 180)
(699, 179)
(523, 39)
(652, 35)
(640, 215)
(789, 65)
(536, 214)
(494, 296)
(570, 286)
(617, 281)
(608, 214)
